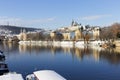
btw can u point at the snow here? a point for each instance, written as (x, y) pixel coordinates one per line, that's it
(11, 76)
(48, 75)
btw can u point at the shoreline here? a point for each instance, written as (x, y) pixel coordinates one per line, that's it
(62, 43)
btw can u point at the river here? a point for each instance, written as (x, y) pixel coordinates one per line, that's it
(77, 63)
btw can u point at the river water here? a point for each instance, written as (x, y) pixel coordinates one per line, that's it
(78, 63)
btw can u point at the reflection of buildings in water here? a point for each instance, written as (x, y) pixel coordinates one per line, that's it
(86, 50)
(53, 49)
(110, 56)
(117, 49)
(33, 49)
(96, 54)
(22, 48)
(5, 47)
(81, 52)
(66, 49)
(28, 48)
(107, 54)
(10, 45)
(78, 53)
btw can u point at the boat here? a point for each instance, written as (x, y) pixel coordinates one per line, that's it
(3, 68)
(2, 59)
(2, 56)
(11, 76)
(45, 75)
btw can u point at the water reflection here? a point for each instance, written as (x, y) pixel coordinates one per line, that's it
(110, 56)
(97, 53)
(72, 62)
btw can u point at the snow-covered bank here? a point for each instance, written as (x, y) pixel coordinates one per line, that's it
(62, 43)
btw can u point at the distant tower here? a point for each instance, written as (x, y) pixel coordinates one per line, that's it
(21, 31)
(24, 31)
(72, 23)
(23, 35)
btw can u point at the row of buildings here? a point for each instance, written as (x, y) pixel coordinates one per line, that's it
(73, 32)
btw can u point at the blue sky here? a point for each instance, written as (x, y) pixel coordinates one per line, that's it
(52, 14)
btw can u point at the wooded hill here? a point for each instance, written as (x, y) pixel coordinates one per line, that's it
(15, 29)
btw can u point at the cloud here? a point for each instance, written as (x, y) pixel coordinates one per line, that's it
(19, 21)
(4, 19)
(95, 17)
(41, 20)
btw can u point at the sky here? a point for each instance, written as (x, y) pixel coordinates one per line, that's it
(52, 14)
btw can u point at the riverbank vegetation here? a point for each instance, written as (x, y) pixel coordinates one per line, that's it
(110, 32)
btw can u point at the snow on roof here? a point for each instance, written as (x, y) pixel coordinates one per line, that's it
(11, 76)
(48, 75)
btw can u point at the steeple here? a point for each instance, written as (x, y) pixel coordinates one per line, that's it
(24, 31)
(21, 31)
(72, 22)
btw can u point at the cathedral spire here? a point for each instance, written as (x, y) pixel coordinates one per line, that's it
(72, 22)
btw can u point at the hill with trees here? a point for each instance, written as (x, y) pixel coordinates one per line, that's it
(110, 32)
(8, 29)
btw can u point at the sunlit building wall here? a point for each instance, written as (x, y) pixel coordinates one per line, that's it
(78, 34)
(52, 35)
(96, 33)
(66, 36)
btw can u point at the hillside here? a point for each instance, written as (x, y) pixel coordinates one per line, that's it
(14, 29)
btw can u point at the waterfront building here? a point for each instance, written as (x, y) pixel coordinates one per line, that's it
(96, 33)
(74, 32)
(78, 34)
(66, 36)
(22, 36)
(52, 35)
(28, 36)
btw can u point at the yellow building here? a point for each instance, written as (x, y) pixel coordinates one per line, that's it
(96, 33)
(23, 35)
(66, 36)
(52, 35)
(78, 34)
